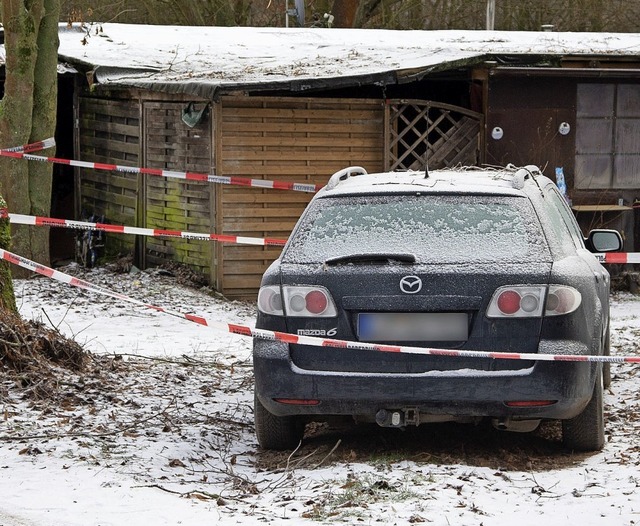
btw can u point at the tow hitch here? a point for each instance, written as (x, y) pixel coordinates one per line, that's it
(408, 416)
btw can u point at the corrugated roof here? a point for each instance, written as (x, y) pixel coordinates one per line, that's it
(204, 61)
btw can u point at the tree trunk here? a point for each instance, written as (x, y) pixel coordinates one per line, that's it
(28, 114)
(364, 11)
(43, 124)
(7, 298)
(16, 109)
(344, 12)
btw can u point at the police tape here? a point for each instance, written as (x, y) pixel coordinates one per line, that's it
(122, 229)
(618, 257)
(607, 258)
(288, 338)
(187, 176)
(32, 147)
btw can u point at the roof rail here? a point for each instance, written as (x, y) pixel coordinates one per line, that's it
(528, 172)
(533, 170)
(345, 174)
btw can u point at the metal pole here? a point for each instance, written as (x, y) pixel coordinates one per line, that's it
(286, 14)
(491, 14)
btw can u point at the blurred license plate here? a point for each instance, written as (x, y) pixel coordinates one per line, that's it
(413, 326)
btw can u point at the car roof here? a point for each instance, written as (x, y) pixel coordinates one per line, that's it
(510, 181)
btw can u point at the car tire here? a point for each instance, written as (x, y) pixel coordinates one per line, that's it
(276, 432)
(606, 367)
(585, 432)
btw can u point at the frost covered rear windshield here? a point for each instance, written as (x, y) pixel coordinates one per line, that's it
(433, 228)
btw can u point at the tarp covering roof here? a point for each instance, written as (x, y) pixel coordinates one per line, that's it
(205, 61)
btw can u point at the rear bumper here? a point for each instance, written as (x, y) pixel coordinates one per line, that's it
(458, 393)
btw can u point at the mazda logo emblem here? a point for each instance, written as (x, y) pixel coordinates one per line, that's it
(411, 284)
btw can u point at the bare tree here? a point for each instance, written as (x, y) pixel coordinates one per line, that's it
(366, 9)
(524, 15)
(183, 12)
(7, 298)
(344, 12)
(569, 15)
(28, 113)
(529, 15)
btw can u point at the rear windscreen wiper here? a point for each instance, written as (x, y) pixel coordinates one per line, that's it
(371, 259)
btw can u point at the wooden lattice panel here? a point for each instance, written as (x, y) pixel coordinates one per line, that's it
(423, 134)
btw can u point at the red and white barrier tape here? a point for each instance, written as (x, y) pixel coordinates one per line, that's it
(152, 232)
(618, 257)
(188, 176)
(32, 147)
(307, 340)
(607, 258)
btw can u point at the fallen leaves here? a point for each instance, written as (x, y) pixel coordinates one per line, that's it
(176, 463)
(30, 450)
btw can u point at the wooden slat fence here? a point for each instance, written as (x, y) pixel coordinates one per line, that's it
(276, 138)
(170, 203)
(288, 139)
(109, 132)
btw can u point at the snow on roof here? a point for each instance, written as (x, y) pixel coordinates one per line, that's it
(204, 60)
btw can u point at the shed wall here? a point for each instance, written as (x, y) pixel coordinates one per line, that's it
(529, 111)
(598, 154)
(172, 204)
(274, 138)
(286, 139)
(109, 132)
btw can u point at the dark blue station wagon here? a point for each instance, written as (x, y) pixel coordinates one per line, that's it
(471, 259)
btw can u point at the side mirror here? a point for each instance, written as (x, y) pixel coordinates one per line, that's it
(604, 241)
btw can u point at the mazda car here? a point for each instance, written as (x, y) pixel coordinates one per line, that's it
(468, 259)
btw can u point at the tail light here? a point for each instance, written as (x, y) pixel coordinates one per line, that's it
(562, 300)
(533, 301)
(270, 300)
(517, 302)
(301, 301)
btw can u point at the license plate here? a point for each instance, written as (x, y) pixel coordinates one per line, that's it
(413, 326)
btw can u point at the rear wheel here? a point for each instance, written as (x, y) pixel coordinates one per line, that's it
(276, 432)
(585, 432)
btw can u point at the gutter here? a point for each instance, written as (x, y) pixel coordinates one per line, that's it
(565, 72)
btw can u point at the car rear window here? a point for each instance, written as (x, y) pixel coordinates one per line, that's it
(433, 228)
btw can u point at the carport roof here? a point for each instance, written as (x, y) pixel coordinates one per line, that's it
(207, 61)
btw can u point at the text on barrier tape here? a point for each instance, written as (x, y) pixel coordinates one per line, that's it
(188, 176)
(122, 229)
(619, 257)
(32, 147)
(306, 340)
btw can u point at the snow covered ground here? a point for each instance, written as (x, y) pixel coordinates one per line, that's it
(158, 430)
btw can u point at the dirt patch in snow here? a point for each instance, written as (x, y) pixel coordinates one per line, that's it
(439, 444)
